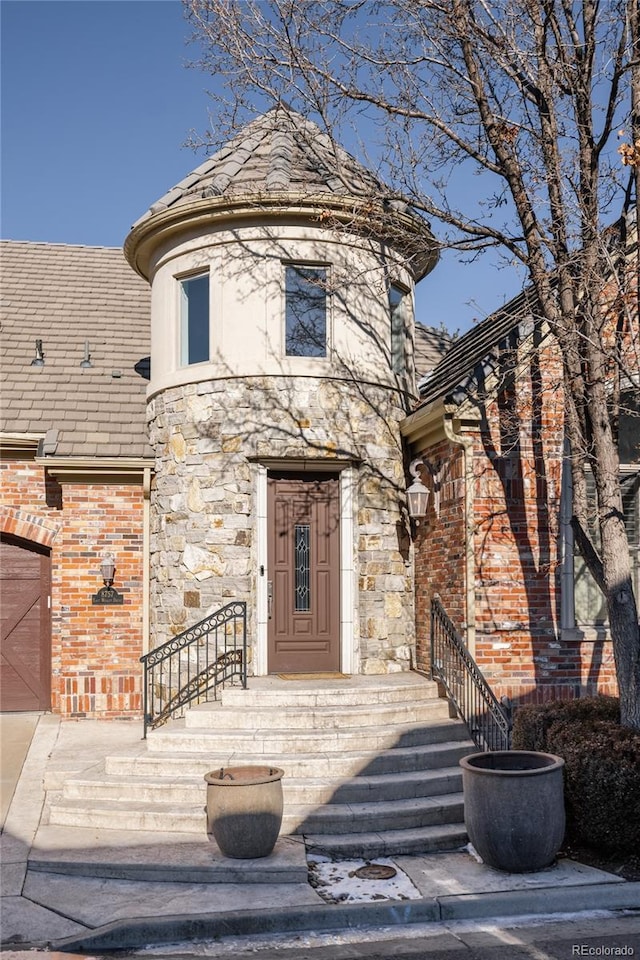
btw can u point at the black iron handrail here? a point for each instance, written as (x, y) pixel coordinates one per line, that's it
(489, 720)
(191, 667)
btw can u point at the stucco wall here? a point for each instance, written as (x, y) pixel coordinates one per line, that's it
(247, 307)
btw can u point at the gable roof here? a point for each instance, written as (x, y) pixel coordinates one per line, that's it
(471, 357)
(65, 295)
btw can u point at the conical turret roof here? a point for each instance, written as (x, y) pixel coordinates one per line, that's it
(280, 151)
(278, 161)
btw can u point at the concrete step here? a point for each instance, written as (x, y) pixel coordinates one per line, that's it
(424, 757)
(191, 789)
(356, 818)
(160, 857)
(371, 766)
(267, 691)
(262, 742)
(129, 815)
(298, 818)
(222, 717)
(392, 843)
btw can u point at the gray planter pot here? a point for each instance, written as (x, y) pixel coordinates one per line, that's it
(244, 809)
(514, 807)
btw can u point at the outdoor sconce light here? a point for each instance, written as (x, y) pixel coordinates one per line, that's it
(107, 594)
(417, 493)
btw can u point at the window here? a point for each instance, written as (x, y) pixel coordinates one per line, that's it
(584, 604)
(398, 310)
(631, 508)
(590, 605)
(194, 319)
(305, 311)
(302, 579)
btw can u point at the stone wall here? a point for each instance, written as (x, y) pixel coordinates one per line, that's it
(209, 439)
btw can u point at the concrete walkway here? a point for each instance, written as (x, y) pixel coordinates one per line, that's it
(87, 889)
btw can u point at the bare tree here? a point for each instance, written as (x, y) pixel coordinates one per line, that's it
(539, 102)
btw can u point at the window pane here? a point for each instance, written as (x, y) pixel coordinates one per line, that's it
(589, 601)
(306, 311)
(194, 319)
(590, 604)
(629, 436)
(397, 307)
(631, 507)
(302, 567)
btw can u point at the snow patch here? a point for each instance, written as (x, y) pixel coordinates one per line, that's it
(336, 881)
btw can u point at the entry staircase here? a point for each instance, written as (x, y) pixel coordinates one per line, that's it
(371, 766)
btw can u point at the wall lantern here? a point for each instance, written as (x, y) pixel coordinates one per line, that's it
(417, 493)
(107, 594)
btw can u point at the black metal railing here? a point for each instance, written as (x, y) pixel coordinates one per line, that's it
(452, 666)
(191, 667)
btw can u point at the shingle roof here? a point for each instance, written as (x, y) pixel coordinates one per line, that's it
(278, 152)
(280, 161)
(431, 345)
(469, 359)
(64, 296)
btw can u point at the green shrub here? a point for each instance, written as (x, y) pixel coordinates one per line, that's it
(531, 724)
(602, 783)
(602, 768)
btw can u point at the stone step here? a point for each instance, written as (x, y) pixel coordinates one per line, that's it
(221, 717)
(192, 789)
(128, 815)
(160, 857)
(427, 756)
(299, 818)
(392, 843)
(265, 691)
(263, 742)
(371, 767)
(356, 818)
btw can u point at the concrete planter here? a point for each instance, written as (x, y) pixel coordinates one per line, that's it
(244, 809)
(514, 807)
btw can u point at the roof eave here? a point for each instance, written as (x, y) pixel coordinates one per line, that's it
(82, 468)
(401, 230)
(424, 424)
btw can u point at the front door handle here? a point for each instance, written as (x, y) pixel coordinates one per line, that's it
(269, 598)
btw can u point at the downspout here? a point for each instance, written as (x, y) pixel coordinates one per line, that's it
(469, 528)
(146, 552)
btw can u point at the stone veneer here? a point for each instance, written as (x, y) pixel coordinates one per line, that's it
(210, 437)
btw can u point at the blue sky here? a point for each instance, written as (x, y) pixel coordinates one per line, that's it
(96, 106)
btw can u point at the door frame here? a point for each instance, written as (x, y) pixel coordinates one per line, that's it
(348, 611)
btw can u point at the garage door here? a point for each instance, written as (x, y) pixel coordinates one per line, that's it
(25, 648)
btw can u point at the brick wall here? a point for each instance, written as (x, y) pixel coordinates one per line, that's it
(439, 548)
(517, 467)
(95, 650)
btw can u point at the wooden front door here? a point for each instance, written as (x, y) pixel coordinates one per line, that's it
(304, 573)
(25, 639)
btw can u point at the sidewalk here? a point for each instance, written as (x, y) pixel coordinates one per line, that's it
(88, 889)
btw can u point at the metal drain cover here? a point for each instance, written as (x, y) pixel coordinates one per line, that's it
(375, 871)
